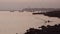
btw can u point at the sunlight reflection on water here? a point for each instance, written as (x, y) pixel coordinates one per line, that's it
(19, 22)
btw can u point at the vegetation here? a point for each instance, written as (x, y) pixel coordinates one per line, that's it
(55, 13)
(45, 30)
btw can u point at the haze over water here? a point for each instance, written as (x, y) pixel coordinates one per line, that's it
(19, 22)
(18, 4)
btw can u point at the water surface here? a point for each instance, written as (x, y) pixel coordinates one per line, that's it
(19, 22)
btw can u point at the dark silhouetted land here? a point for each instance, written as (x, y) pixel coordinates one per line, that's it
(45, 30)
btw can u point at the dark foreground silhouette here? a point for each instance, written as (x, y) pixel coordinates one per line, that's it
(44, 30)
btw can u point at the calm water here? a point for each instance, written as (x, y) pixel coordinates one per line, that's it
(19, 22)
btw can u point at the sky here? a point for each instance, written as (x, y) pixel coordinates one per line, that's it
(15, 22)
(18, 4)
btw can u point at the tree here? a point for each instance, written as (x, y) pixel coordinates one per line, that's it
(45, 30)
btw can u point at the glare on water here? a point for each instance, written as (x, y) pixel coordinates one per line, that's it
(19, 22)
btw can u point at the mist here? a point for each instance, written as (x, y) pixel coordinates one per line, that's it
(18, 4)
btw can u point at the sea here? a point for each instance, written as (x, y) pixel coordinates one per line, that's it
(19, 22)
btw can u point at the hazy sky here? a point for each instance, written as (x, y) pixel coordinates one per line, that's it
(17, 4)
